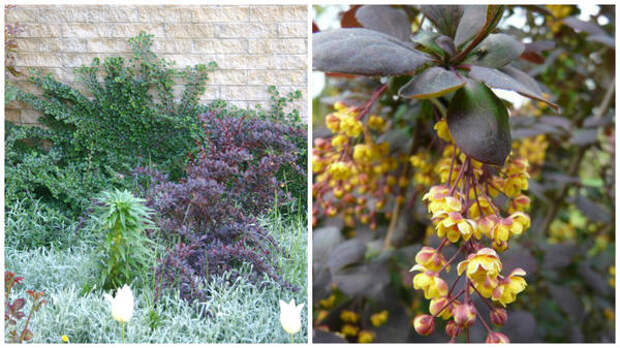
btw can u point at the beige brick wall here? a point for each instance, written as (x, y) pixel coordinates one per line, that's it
(254, 46)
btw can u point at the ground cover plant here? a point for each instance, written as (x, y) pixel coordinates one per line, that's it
(427, 175)
(195, 210)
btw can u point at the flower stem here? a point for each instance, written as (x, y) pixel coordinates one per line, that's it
(122, 332)
(292, 338)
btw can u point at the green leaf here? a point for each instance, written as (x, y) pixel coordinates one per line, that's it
(432, 83)
(495, 78)
(426, 39)
(364, 52)
(385, 19)
(445, 17)
(478, 121)
(496, 51)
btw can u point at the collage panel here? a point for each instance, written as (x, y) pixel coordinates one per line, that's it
(463, 169)
(155, 173)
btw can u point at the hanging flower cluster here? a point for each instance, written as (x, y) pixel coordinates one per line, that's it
(464, 210)
(355, 174)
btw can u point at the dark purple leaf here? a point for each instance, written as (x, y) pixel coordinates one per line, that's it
(431, 83)
(567, 301)
(593, 211)
(593, 279)
(367, 280)
(584, 137)
(427, 40)
(496, 51)
(558, 121)
(588, 27)
(473, 20)
(495, 78)
(446, 44)
(18, 304)
(594, 121)
(604, 39)
(385, 19)
(520, 327)
(478, 121)
(322, 336)
(346, 253)
(558, 255)
(364, 52)
(445, 17)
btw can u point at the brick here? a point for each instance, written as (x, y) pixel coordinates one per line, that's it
(183, 60)
(277, 46)
(133, 29)
(211, 92)
(51, 45)
(82, 30)
(38, 59)
(114, 14)
(276, 77)
(244, 92)
(29, 116)
(228, 77)
(160, 14)
(176, 46)
(12, 115)
(63, 14)
(108, 45)
(281, 62)
(40, 30)
(214, 46)
(247, 30)
(220, 14)
(232, 61)
(22, 14)
(278, 13)
(293, 29)
(74, 60)
(202, 30)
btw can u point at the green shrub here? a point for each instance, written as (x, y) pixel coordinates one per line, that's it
(129, 116)
(126, 254)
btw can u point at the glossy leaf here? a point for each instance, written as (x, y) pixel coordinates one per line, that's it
(364, 52)
(473, 20)
(495, 78)
(445, 17)
(385, 19)
(346, 253)
(478, 121)
(431, 83)
(496, 51)
(592, 210)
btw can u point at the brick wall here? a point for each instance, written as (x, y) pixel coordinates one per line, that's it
(254, 46)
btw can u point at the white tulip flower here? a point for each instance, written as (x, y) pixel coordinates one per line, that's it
(122, 306)
(290, 316)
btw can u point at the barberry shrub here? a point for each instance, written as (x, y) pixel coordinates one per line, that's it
(208, 217)
(419, 121)
(15, 319)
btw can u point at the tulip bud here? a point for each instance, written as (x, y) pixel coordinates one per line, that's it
(498, 316)
(424, 324)
(464, 315)
(497, 337)
(453, 330)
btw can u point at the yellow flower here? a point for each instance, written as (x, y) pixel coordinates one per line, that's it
(430, 259)
(351, 126)
(349, 316)
(349, 330)
(65, 338)
(339, 141)
(482, 269)
(364, 153)
(328, 302)
(515, 224)
(379, 318)
(339, 170)
(454, 226)
(290, 316)
(375, 122)
(441, 127)
(122, 304)
(366, 336)
(441, 304)
(440, 200)
(508, 288)
(432, 285)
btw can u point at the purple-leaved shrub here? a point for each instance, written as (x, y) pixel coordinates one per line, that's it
(209, 215)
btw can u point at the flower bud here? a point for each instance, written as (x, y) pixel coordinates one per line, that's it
(497, 337)
(464, 315)
(440, 304)
(453, 330)
(498, 316)
(424, 324)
